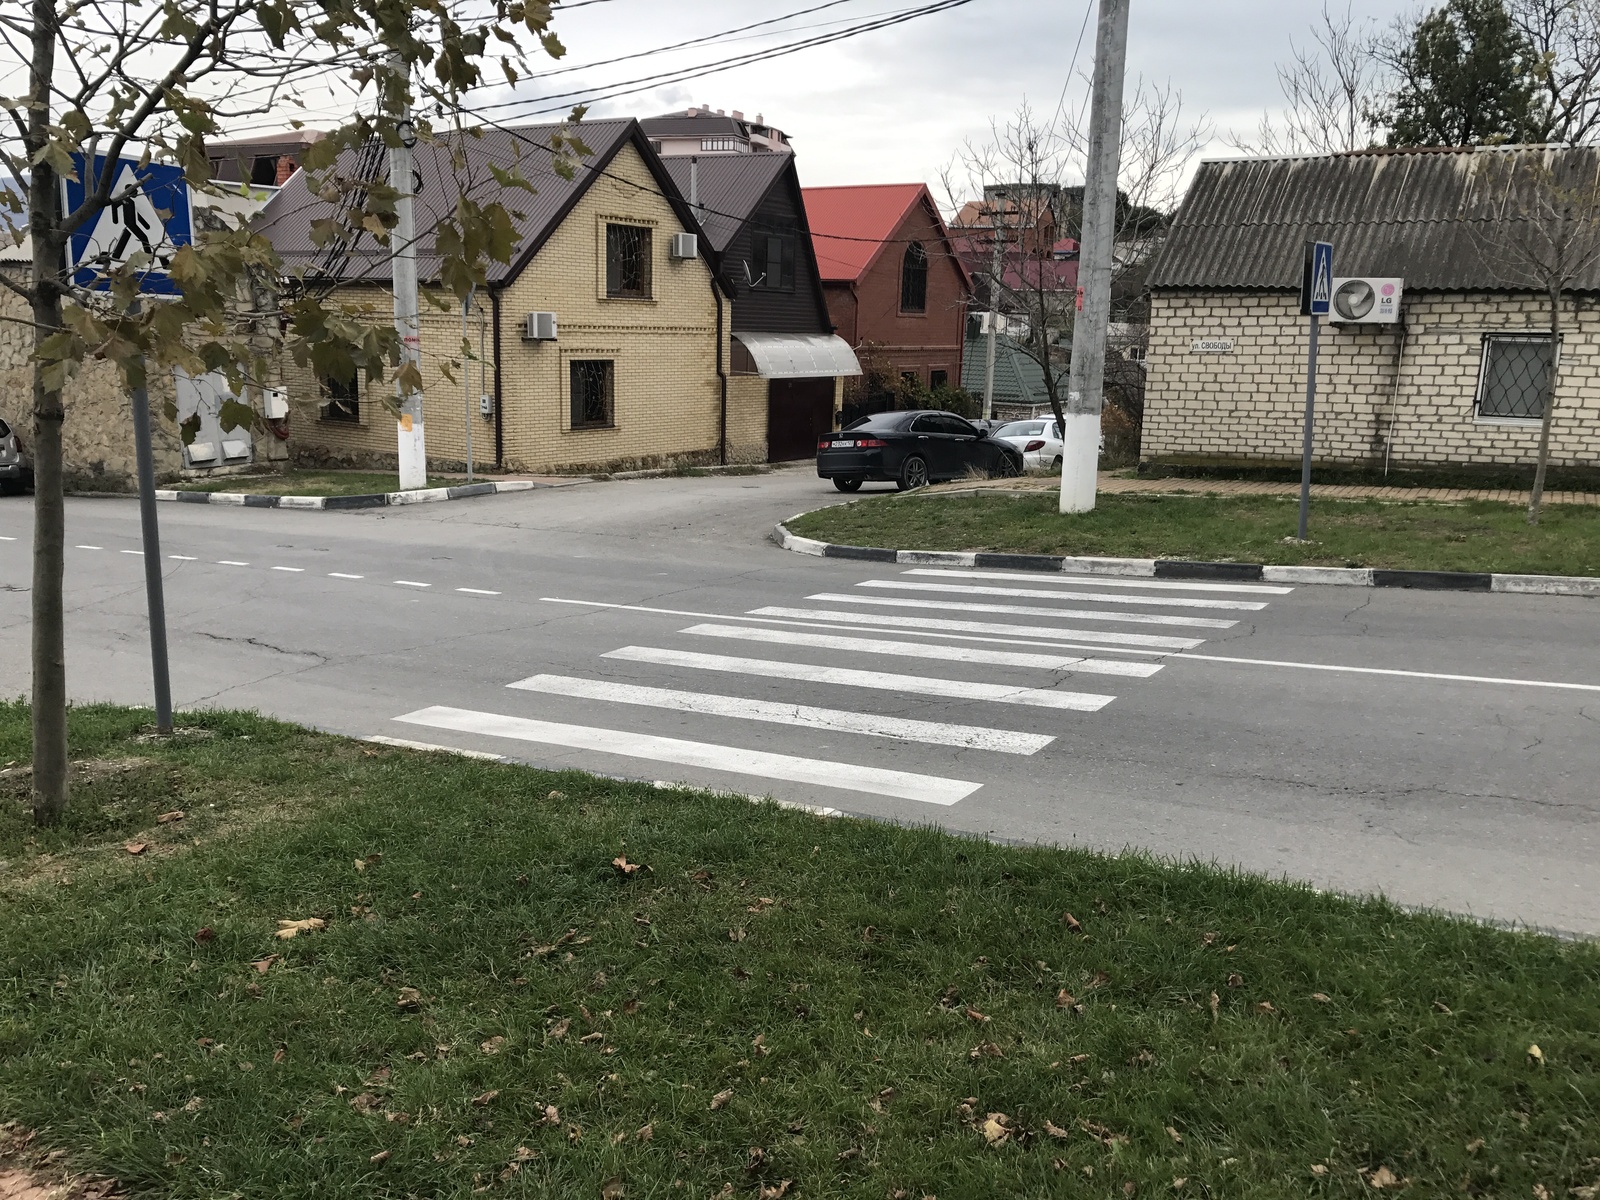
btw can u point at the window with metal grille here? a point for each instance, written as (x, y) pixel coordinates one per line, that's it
(628, 262)
(1516, 377)
(592, 392)
(344, 398)
(774, 268)
(914, 279)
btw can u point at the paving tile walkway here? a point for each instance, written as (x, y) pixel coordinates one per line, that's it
(1113, 483)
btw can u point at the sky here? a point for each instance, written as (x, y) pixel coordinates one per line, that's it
(894, 104)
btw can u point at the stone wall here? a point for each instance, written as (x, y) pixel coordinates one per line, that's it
(1408, 396)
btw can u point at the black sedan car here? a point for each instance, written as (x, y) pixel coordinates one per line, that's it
(911, 449)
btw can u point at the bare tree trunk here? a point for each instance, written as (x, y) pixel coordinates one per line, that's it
(1537, 498)
(49, 509)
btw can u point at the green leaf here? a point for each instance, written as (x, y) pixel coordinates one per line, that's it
(235, 414)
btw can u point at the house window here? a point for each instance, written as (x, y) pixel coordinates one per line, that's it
(774, 268)
(592, 392)
(343, 394)
(938, 379)
(628, 262)
(914, 279)
(264, 170)
(1515, 378)
(719, 143)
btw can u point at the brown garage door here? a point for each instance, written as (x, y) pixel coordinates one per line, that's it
(797, 411)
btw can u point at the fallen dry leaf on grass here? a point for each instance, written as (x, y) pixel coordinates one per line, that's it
(1536, 1055)
(1322, 997)
(737, 934)
(986, 1050)
(1540, 1192)
(1056, 1131)
(290, 929)
(493, 1046)
(136, 847)
(1266, 1007)
(1178, 1181)
(483, 1099)
(1236, 980)
(1384, 1178)
(625, 867)
(644, 1133)
(167, 818)
(1216, 1005)
(720, 1100)
(613, 1189)
(589, 1039)
(263, 965)
(381, 1157)
(204, 935)
(775, 1191)
(1174, 1135)
(1071, 922)
(409, 999)
(559, 1030)
(996, 1129)
(1474, 1145)
(1065, 999)
(974, 1015)
(1441, 1006)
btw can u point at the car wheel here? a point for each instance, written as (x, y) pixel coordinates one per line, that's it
(1056, 466)
(1006, 468)
(847, 485)
(913, 473)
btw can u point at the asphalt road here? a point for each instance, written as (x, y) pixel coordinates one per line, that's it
(652, 631)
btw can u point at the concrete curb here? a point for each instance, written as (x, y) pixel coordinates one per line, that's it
(1170, 568)
(336, 503)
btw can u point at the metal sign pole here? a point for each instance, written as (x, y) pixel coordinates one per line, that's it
(1305, 452)
(151, 540)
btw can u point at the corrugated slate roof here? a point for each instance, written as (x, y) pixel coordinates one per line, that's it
(731, 186)
(1429, 216)
(287, 219)
(1018, 378)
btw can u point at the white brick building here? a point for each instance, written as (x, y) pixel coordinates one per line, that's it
(1458, 380)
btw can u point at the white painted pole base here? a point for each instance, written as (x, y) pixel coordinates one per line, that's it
(1080, 461)
(413, 456)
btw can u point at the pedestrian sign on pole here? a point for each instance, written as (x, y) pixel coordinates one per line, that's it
(1316, 280)
(148, 213)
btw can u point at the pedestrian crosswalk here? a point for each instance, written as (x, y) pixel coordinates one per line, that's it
(902, 704)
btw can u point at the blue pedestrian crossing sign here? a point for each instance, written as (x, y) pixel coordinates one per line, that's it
(1316, 280)
(149, 214)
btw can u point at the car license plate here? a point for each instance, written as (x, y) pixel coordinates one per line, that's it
(843, 445)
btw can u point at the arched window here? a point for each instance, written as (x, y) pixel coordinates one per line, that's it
(914, 279)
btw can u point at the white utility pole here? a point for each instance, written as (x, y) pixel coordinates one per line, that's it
(994, 310)
(1080, 451)
(407, 317)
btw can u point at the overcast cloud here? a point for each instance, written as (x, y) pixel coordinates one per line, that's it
(892, 105)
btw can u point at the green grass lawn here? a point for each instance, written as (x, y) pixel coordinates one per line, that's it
(311, 483)
(756, 995)
(1473, 536)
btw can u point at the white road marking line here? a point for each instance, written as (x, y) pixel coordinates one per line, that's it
(342, 575)
(477, 592)
(408, 744)
(1036, 632)
(972, 654)
(295, 570)
(410, 583)
(950, 689)
(846, 776)
(938, 733)
(1268, 662)
(183, 557)
(1043, 594)
(228, 562)
(852, 623)
(1022, 610)
(1118, 581)
(140, 553)
(7, 539)
(88, 547)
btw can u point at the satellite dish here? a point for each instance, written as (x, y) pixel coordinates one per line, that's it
(1354, 299)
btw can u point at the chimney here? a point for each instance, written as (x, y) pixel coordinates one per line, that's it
(759, 120)
(286, 167)
(737, 115)
(720, 113)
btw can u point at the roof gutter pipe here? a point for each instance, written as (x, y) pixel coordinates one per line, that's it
(722, 380)
(499, 405)
(1394, 397)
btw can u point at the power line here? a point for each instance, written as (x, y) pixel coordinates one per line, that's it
(1073, 66)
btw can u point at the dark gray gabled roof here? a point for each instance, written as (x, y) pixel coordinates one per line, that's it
(1429, 216)
(681, 124)
(731, 187)
(287, 219)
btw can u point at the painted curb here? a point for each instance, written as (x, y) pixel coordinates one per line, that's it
(344, 503)
(1169, 568)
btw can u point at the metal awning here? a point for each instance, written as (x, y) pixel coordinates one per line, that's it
(799, 355)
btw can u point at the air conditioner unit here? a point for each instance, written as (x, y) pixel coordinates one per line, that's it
(1370, 301)
(685, 245)
(541, 327)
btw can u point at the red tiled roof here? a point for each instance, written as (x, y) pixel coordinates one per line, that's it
(850, 224)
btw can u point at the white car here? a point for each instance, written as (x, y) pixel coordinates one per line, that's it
(1039, 441)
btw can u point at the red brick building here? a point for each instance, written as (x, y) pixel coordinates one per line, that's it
(895, 289)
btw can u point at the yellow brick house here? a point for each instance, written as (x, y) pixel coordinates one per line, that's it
(604, 342)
